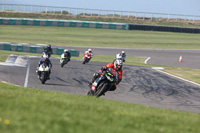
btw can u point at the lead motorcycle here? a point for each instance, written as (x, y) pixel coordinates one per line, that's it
(104, 83)
(43, 73)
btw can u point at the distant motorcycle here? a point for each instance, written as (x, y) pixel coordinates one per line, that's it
(105, 82)
(43, 73)
(63, 60)
(87, 57)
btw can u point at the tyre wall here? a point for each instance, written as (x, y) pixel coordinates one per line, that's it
(163, 28)
(63, 23)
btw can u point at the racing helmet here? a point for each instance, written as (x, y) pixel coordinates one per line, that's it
(66, 50)
(90, 50)
(49, 46)
(45, 56)
(118, 65)
(118, 56)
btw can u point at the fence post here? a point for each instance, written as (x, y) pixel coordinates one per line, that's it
(151, 16)
(61, 11)
(128, 14)
(91, 12)
(144, 17)
(84, 12)
(99, 13)
(168, 17)
(193, 18)
(76, 11)
(25, 8)
(39, 9)
(46, 9)
(136, 16)
(113, 14)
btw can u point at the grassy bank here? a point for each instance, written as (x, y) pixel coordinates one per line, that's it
(25, 110)
(87, 37)
(130, 20)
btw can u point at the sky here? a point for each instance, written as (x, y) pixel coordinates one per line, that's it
(184, 7)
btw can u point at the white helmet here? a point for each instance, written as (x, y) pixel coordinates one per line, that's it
(118, 56)
(118, 64)
(66, 50)
(45, 56)
(90, 50)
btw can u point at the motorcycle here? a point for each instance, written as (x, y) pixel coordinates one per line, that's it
(63, 60)
(104, 83)
(87, 58)
(43, 73)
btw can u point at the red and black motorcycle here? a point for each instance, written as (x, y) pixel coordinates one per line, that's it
(104, 83)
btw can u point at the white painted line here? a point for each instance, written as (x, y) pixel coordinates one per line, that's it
(27, 75)
(178, 77)
(145, 62)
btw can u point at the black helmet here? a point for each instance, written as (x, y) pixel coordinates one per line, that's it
(49, 46)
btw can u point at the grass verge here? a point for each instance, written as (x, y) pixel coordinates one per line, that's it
(33, 110)
(88, 37)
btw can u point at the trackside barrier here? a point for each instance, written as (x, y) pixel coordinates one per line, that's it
(34, 49)
(63, 23)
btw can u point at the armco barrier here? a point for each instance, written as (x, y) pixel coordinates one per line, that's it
(34, 49)
(163, 28)
(63, 23)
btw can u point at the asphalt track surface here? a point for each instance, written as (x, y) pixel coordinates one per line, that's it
(140, 85)
(167, 57)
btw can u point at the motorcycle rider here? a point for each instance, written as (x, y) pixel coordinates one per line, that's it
(117, 65)
(48, 50)
(123, 54)
(66, 54)
(89, 52)
(47, 62)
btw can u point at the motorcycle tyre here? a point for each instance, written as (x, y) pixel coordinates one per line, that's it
(84, 61)
(90, 93)
(101, 89)
(43, 78)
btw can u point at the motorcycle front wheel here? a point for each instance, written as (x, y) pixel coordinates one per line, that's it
(43, 78)
(101, 89)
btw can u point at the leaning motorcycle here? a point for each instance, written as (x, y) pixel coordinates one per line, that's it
(63, 60)
(86, 58)
(104, 83)
(43, 72)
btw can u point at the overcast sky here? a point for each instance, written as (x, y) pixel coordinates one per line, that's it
(185, 7)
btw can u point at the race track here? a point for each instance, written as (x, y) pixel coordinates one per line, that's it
(140, 85)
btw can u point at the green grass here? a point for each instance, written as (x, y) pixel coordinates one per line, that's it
(37, 111)
(89, 37)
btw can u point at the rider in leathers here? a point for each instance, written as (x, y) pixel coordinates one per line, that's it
(117, 65)
(47, 62)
